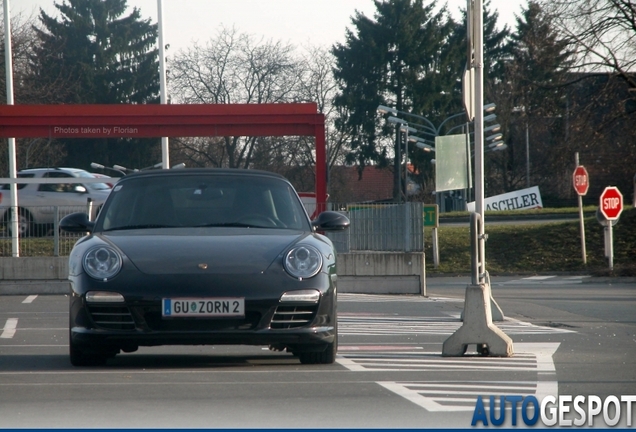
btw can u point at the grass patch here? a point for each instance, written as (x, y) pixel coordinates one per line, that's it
(540, 248)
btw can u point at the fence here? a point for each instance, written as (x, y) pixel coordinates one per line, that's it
(374, 227)
(40, 233)
(380, 227)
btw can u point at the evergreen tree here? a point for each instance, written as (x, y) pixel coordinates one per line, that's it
(106, 57)
(532, 101)
(540, 62)
(392, 60)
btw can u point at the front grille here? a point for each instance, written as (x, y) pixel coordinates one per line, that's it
(287, 316)
(112, 317)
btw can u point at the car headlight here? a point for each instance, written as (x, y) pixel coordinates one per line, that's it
(102, 262)
(303, 262)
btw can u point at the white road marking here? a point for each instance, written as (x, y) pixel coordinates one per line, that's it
(380, 298)
(545, 280)
(9, 328)
(30, 299)
(378, 325)
(447, 396)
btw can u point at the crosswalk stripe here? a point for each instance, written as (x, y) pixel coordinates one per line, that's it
(373, 325)
(529, 357)
(456, 396)
(545, 280)
(382, 298)
(448, 396)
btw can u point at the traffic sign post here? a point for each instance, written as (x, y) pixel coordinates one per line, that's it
(581, 183)
(430, 217)
(611, 206)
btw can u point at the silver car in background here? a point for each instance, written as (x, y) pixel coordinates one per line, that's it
(38, 203)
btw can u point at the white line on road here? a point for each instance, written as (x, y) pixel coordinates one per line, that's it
(9, 328)
(445, 396)
(30, 299)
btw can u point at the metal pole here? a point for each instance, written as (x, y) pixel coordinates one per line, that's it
(8, 61)
(479, 132)
(527, 153)
(581, 220)
(611, 244)
(56, 231)
(407, 226)
(165, 151)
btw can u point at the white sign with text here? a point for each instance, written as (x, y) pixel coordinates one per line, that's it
(523, 199)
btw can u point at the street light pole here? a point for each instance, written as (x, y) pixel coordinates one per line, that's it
(479, 132)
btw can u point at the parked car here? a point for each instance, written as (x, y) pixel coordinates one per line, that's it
(37, 203)
(203, 256)
(108, 180)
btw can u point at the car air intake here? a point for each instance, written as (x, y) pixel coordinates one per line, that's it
(288, 316)
(111, 317)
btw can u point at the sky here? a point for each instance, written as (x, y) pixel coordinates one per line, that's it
(298, 22)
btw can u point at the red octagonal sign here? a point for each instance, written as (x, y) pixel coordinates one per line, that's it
(580, 180)
(611, 203)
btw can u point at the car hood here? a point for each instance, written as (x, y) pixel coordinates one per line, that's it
(218, 250)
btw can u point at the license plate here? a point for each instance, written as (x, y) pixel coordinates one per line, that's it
(203, 307)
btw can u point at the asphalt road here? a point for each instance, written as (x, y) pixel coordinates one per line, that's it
(572, 336)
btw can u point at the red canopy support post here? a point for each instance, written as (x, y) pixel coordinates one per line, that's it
(321, 168)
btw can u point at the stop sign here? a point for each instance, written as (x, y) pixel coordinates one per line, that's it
(580, 180)
(611, 203)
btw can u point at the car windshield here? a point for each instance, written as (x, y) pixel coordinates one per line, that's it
(202, 200)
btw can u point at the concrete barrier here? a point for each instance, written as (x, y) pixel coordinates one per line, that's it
(382, 273)
(361, 272)
(34, 275)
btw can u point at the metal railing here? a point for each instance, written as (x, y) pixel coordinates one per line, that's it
(374, 227)
(40, 233)
(380, 227)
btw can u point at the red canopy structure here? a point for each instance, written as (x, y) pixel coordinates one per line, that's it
(146, 121)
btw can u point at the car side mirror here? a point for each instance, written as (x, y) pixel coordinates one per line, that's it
(77, 223)
(80, 189)
(330, 221)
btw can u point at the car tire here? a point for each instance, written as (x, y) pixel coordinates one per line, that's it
(81, 358)
(25, 223)
(328, 356)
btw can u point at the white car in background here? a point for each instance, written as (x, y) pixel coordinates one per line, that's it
(37, 203)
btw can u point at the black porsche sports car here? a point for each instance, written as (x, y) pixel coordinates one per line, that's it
(203, 256)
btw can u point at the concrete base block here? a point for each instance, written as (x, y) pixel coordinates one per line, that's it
(478, 328)
(380, 284)
(497, 313)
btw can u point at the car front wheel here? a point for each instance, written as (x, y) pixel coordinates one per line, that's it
(328, 356)
(80, 357)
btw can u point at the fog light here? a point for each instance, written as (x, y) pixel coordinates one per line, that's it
(306, 296)
(104, 297)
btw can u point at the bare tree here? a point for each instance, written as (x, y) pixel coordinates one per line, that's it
(28, 90)
(602, 111)
(232, 68)
(603, 31)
